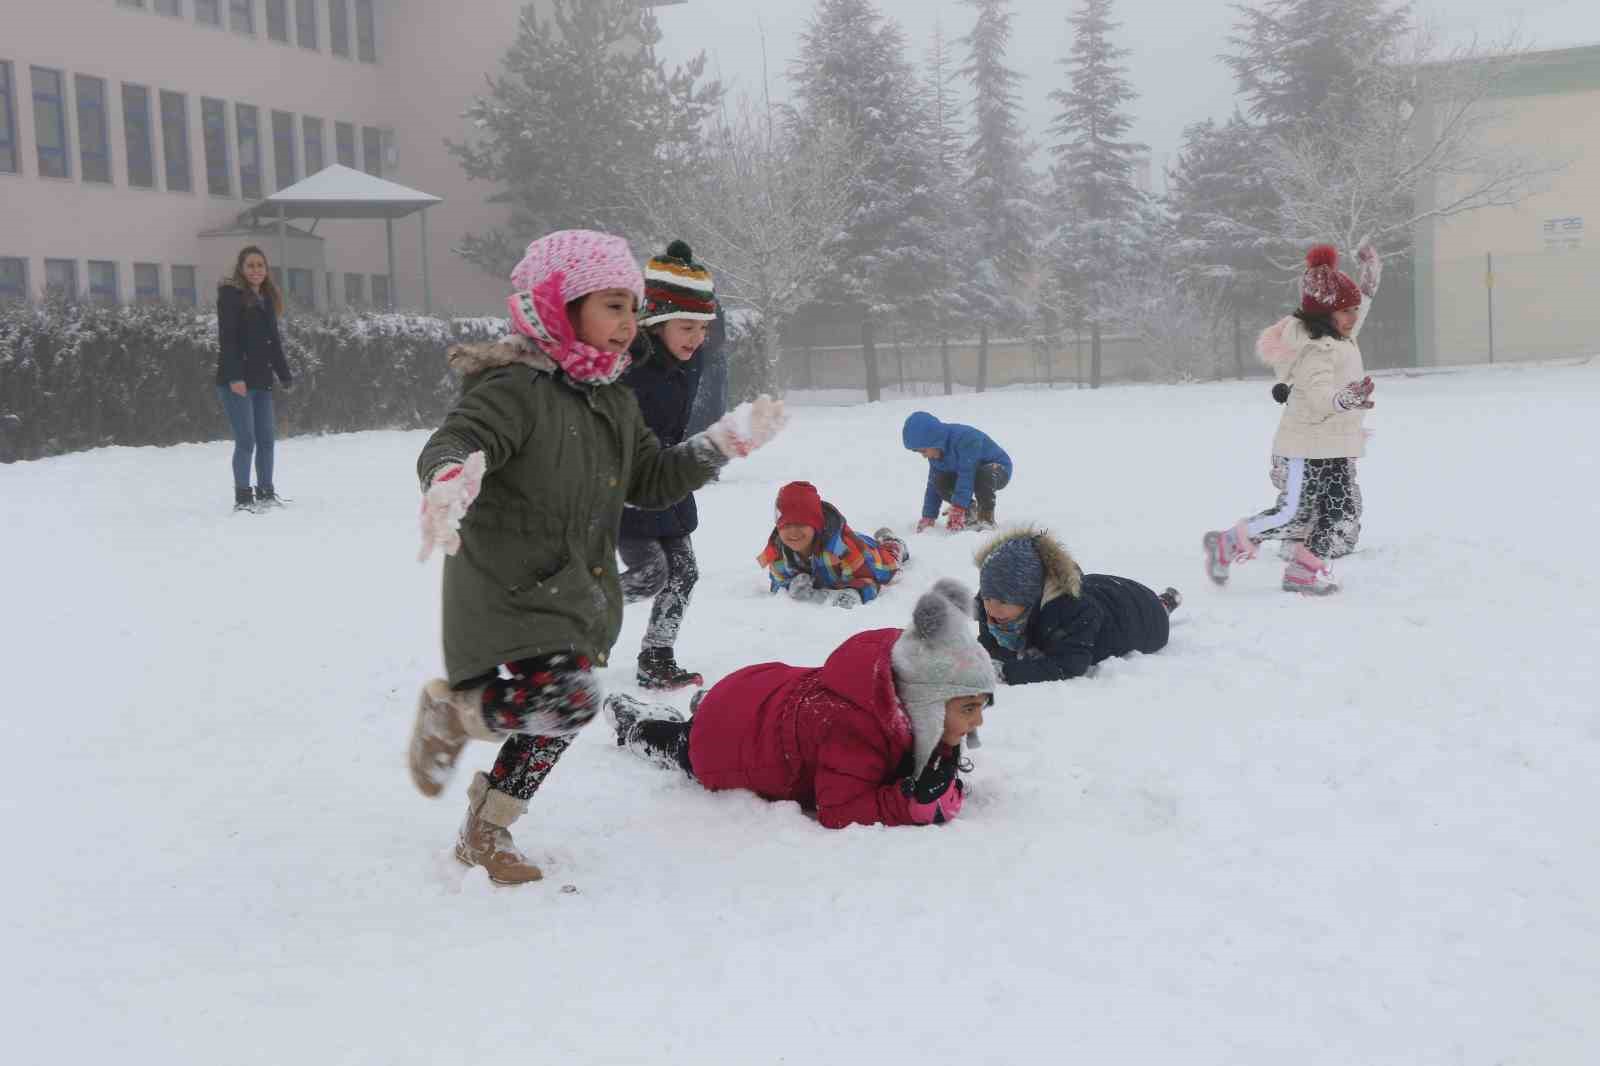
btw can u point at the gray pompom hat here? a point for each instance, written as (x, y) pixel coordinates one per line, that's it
(938, 658)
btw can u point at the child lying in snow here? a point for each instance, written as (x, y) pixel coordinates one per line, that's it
(873, 736)
(1044, 619)
(815, 556)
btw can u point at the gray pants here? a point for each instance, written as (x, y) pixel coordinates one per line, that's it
(662, 568)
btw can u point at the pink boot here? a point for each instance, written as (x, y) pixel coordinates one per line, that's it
(1225, 547)
(1308, 575)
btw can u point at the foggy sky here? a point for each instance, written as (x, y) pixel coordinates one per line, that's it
(1174, 44)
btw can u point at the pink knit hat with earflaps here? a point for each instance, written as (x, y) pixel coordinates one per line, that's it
(589, 261)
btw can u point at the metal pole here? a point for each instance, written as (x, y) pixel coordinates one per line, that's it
(1488, 286)
(427, 278)
(283, 248)
(388, 230)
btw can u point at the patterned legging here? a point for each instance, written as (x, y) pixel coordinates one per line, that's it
(1346, 529)
(540, 705)
(1318, 495)
(665, 568)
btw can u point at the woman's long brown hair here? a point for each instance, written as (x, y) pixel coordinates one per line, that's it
(268, 288)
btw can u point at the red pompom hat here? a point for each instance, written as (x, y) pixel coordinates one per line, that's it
(799, 504)
(1325, 288)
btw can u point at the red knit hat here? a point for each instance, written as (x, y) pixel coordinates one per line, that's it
(799, 504)
(1325, 288)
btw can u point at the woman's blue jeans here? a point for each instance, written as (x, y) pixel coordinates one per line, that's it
(250, 416)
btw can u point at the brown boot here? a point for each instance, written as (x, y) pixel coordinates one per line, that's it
(484, 840)
(446, 720)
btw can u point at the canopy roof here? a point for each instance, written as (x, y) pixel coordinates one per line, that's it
(340, 192)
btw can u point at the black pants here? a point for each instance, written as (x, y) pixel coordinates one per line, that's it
(539, 705)
(1317, 499)
(663, 742)
(1346, 530)
(663, 568)
(990, 479)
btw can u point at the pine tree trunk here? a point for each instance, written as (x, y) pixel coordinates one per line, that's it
(810, 366)
(769, 362)
(1238, 341)
(869, 353)
(944, 361)
(900, 362)
(1094, 356)
(983, 357)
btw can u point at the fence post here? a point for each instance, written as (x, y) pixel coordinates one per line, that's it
(1488, 287)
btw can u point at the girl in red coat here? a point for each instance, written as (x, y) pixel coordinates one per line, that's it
(873, 736)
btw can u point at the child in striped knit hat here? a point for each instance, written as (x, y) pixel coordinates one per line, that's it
(680, 304)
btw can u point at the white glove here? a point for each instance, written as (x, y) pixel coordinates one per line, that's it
(450, 492)
(747, 427)
(801, 587)
(846, 598)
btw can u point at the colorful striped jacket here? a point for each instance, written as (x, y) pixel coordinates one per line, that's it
(846, 559)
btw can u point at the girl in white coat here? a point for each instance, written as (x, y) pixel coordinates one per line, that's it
(1318, 365)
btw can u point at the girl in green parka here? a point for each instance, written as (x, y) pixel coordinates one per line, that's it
(523, 488)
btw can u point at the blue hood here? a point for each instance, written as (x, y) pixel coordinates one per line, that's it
(922, 430)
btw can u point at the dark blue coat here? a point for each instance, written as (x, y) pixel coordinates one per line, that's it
(965, 449)
(665, 389)
(1068, 634)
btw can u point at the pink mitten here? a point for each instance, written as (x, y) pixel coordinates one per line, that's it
(1371, 272)
(1356, 395)
(450, 492)
(747, 427)
(926, 523)
(942, 809)
(957, 520)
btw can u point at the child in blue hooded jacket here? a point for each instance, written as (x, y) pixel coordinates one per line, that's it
(965, 469)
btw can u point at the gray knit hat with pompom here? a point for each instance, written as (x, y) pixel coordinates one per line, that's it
(936, 659)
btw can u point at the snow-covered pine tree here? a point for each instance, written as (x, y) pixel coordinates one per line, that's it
(1098, 238)
(997, 185)
(948, 176)
(1223, 212)
(582, 127)
(852, 70)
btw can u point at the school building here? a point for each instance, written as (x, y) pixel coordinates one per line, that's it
(135, 135)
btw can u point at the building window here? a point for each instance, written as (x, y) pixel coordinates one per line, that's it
(208, 12)
(278, 20)
(247, 119)
(169, 7)
(380, 290)
(94, 134)
(372, 150)
(366, 32)
(183, 287)
(9, 159)
(303, 288)
(355, 289)
(283, 148)
(241, 16)
(305, 23)
(339, 27)
(61, 278)
(175, 141)
(103, 281)
(146, 283)
(344, 134)
(214, 132)
(136, 127)
(311, 149)
(13, 279)
(50, 122)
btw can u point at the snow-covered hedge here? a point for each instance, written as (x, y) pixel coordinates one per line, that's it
(76, 376)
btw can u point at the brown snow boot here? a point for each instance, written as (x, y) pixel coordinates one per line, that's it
(446, 720)
(484, 839)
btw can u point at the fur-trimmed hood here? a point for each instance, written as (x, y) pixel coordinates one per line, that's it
(1281, 345)
(1062, 574)
(513, 348)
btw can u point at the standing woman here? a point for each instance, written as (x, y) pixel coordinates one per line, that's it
(250, 351)
(679, 308)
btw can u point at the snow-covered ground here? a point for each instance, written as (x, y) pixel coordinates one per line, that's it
(1356, 831)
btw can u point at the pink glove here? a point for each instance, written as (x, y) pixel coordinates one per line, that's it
(747, 427)
(925, 523)
(1371, 272)
(942, 809)
(450, 492)
(1357, 394)
(957, 520)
